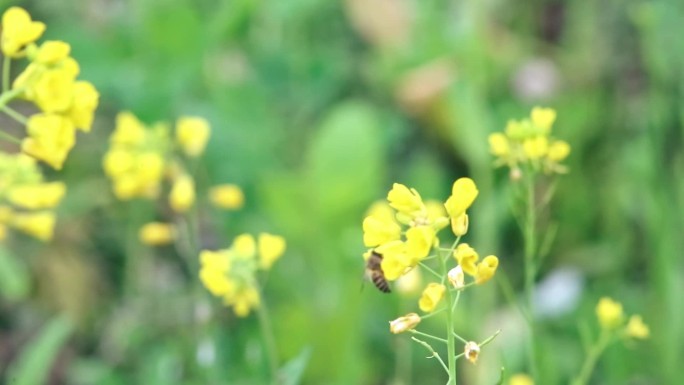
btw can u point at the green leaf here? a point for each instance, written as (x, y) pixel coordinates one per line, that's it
(291, 372)
(14, 276)
(35, 361)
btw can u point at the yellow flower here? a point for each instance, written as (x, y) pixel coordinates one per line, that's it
(459, 225)
(39, 225)
(53, 90)
(518, 130)
(227, 196)
(498, 145)
(472, 351)
(395, 262)
(271, 247)
(405, 323)
(244, 300)
(436, 215)
(379, 229)
(543, 118)
(192, 134)
(85, 101)
(37, 196)
(520, 379)
(419, 241)
(609, 313)
(381, 209)
(406, 201)
(463, 194)
(18, 30)
(536, 147)
(51, 137)
(456, 277)
(636, 328)
(431, 296)
(117, 162)
(157, 233)
(244, 246)
(52, 52)
(214, 267)
(182, 195)
(558, 151)
(486, 269)
(410, 282)
(467, 258)
(129, 130)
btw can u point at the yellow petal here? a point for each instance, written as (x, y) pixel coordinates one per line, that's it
(271, 247)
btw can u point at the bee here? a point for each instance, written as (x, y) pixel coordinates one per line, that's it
(374, 272)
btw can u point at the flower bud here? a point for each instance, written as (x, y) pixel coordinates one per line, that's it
(472, 351)
(432, 294)
(456, 277)
(227, 196)
(636, 328)
(459, 225)
(182, 195)
(156, 234)
(609, 313)
(405, 323)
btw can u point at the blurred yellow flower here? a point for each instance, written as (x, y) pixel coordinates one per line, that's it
(39, 225)
(543, 118)
(50, 139)
(271, 247)
(18, 30)
(244, 246)
(182, 195)
(467, 258)
(378, 229)
(498, 144)
(52, 52)
(609, 313)
(157, 233)
(37, 195)
(405, 323)
(558, 151)
(129, 130)
(636, 328)
(419, 242)
(227, 196)
(431, 297)
(244, 300)
(536, 147)
(463, 194)
(395, 262)
(53, 90)
(192, 134)
(214, 267)
(406, 201)
(85, 101)
(486, 269)
(520, 379)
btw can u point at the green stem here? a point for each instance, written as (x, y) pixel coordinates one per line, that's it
(426, 267)
(434, 353)
(530, 271)
(451, 343)
(269, 341)
(6, 73)
(9, 138)
(592, 358)
(414, 331)
(14, 114)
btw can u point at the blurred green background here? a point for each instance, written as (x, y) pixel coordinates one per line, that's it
(317, 107)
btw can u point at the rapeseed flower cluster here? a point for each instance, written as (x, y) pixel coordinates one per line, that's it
(27, 201)
(232, 273)
(50, 82)
(529, 143)
(611, 318)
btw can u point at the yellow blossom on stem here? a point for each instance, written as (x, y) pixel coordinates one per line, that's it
(37, 196)
(431, 297)
(405, 323)
(18, 30)
(419, 242)
(244, 246)
(50, 139)
(536, 148)
(182, 196)
(463, 194)
(52, 52)
(214, 267)
(129, 130)
(558, 151)
(395, 262)
(379, 229)
(486, 269)
(459, 225)
(406, 201)
(227, 196)
(192, 134)
(157, 233)
(39, 225)
(543, 118)
(85, 101)
(636, 328)
(467, 258)
(244, 300)
(498, 144)
(609, 313)
(271, 247)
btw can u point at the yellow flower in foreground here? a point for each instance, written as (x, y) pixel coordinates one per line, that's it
(543, 118)
(244, 246)
(18, 30)
(405, 323)
(486, 269)
(520, 379)
(406, 201)
(472, 351)
(463, 194)
(395, 262)
(182, 195)
(53, 90)
(536, 148)
(192, 134)
(227, 196)
(37, 196)
(467, 258)
(419, 241)
(157, 233)
(431, 296)
(636, 328)
(498, 144)
(378, 230)
(52, 52)
(271, 247)
(609, 313)
(39, 225)
(50, 139)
